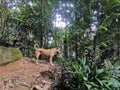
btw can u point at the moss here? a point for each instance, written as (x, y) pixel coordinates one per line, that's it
(16, 54)
(9, 54)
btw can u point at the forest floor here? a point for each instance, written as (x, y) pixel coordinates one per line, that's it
(24, 74)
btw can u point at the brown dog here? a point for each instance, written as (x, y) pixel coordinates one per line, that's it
(45, 52)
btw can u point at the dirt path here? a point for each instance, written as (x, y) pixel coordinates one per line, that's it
(20, 75)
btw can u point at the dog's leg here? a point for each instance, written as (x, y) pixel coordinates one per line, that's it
(37, 56)
(37, 61)
(51, 61)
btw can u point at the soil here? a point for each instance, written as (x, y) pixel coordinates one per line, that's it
(25, 74)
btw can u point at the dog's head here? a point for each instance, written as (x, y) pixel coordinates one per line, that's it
(57, 49)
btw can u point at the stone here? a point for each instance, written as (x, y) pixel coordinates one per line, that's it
(9, 54)
(37, 87)
(21, 88)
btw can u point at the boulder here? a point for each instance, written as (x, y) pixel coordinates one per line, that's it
(9, 54)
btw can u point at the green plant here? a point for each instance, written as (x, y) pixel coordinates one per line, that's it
(85, 75)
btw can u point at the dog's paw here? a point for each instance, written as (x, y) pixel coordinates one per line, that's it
(37, 62)
(52, 64)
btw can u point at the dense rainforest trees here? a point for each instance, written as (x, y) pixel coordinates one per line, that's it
(88, 32)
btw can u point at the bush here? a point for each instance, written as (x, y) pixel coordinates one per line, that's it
(85, 75)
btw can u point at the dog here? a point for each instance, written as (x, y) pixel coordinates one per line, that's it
(45, 52)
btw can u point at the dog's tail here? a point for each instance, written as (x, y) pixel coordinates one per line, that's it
(36, 46)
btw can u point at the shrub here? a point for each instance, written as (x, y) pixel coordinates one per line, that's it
(85, 75)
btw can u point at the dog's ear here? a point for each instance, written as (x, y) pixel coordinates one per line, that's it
(57, 48)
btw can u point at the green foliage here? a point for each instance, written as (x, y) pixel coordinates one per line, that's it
(27, 23)
(21, 26)
(115, 68)
(85, 75)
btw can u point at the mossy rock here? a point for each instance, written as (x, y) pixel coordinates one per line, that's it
(9, 54)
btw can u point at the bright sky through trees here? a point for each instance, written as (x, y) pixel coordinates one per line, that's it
(58, 22)
(62, 13)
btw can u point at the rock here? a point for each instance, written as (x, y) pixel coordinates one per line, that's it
(37, 87)
(47, 87)
(45, 82)
(2, 86)
(21, 88)
(9, 54)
